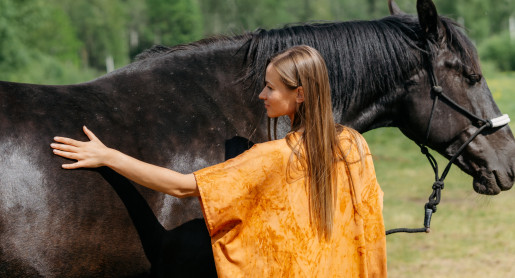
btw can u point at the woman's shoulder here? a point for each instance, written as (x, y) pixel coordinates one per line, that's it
(352, 141)
(348, 133)
(272, 146)
(269, 148)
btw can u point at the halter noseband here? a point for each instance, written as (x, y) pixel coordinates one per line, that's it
(438, 185)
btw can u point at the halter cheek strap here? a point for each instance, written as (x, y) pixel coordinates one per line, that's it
(438, 185)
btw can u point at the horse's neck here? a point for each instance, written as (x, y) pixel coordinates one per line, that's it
(376, 107)
(201, 77)
(361, 118)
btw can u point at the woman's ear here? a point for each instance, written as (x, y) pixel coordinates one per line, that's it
(300, 95)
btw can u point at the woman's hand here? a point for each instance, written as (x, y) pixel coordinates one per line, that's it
(90, 154)
(94, 154)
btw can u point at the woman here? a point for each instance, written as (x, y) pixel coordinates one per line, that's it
(307, 205)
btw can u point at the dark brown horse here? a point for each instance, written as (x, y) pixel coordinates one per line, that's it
(178, 107)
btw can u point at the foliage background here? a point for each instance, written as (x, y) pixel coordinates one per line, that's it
(71, 41)
(68, 41)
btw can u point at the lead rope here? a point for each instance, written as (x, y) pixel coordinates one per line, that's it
(438, 185)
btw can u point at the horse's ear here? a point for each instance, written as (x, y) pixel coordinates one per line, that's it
(394, 9)
(429, 21)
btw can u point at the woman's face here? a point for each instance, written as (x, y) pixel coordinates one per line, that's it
(279, 99)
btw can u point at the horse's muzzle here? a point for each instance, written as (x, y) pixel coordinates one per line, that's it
(492, 182)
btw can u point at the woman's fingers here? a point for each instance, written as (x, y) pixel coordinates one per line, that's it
(82, 161)
(66, 154)
(68, 141)
(89, 154)
(64, 147)
(90, 134)
(75, 165)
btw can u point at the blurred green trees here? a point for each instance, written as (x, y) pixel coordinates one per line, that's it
(31, 30)
(66, 41)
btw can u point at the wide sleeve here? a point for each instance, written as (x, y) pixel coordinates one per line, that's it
(228, 190)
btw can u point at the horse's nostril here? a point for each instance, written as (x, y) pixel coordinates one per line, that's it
(497, 180)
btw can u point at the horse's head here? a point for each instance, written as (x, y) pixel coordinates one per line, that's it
(490, 157)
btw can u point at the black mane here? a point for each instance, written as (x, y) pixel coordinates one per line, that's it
(154, 51)
(390, 48)
(211, 42)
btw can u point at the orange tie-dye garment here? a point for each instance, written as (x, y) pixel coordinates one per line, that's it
(258, 217)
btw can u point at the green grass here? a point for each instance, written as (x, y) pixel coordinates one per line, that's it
(472, 235)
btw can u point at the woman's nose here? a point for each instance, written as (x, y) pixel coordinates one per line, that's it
(262, 95)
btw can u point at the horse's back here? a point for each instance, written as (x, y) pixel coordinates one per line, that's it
(56, 223)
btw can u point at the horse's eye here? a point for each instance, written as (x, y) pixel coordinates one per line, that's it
(411, 82)
(470, 75)
(473, 78)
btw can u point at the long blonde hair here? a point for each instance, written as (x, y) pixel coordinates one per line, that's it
(318, 148)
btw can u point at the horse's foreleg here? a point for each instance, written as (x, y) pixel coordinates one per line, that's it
(184, 251)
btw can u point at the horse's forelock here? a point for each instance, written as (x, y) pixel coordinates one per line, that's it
(461, 44)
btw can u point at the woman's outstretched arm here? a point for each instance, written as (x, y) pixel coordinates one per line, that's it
(94, 153)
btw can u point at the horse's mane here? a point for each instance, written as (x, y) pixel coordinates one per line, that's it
(210, 42)
(363, 57)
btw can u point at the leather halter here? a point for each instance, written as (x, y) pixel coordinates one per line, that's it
(438, 185)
